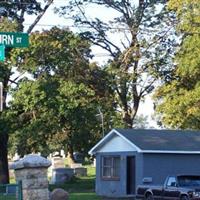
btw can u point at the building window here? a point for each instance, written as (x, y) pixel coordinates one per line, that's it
(111, 167)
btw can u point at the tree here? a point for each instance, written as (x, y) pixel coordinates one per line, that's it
(141, 122)
(12, 17)
(143, 53)
(16, 10)
(178, 99)
(54, 115)
(58, 107)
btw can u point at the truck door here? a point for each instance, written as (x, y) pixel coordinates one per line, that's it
(170, 189)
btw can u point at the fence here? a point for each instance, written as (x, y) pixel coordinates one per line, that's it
(11, 191)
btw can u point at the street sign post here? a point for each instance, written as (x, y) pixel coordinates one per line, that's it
(10, 39)
(2, 52)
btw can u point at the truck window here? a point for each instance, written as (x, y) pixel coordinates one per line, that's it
(171, 182)
(189, 181)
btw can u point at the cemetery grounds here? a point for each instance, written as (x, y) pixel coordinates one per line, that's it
(81, 188)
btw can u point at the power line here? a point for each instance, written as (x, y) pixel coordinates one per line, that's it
(79, 26)
(101, 55)
(23, 3)
(83, 26)
(4, 2)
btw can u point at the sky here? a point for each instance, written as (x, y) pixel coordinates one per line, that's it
(50, 19)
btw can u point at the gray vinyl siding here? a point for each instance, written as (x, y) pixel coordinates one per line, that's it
(155, 165)
(115, 188)
(159, 166)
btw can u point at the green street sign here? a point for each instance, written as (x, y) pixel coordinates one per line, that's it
(10, 39)
(2, 52)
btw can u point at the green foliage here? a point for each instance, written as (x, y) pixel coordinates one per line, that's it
(7, 25)
(16, 10)
(50, 117)
(68, 50)
(188, 14)
(178, 100)
(10, 8)
(141, 122)
(139, 57)
(12, 14)
(58, 107)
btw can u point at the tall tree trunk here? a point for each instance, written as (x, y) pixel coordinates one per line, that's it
(129, 116)
(4, 173)
(127, 119)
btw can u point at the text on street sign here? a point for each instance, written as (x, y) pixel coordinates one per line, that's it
(10, 39)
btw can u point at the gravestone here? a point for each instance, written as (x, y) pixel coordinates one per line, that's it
(62, 175)
(80, 171)
(76, 165)
(62, 153)
(94, 162)
(32, 171)
(58, 162)
(59, 194)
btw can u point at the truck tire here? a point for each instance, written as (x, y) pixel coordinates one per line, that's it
(184, 197)
(150, 197)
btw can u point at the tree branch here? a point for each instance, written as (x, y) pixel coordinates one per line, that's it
(146, 88)
(39, 16)
(103, 38)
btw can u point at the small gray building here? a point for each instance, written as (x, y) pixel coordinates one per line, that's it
(126, 158)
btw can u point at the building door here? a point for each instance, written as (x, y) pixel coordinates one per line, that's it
(130, 175)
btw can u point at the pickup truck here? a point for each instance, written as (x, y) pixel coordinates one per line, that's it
(182, 187)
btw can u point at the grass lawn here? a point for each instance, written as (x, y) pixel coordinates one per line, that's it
(81, 188)
(84, 196)
(6, 197)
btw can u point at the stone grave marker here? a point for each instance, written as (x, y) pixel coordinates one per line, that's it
(32, 171)
(61, 175)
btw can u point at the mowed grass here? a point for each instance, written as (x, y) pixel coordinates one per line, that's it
(81, 188)
(84, 196)
(6, 197)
